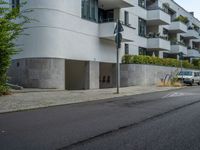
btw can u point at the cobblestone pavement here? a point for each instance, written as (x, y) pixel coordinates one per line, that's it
(39, 98)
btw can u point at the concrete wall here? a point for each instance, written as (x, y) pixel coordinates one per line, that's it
(54, 73)
(94, 75)
(136, 74)
(38, 73)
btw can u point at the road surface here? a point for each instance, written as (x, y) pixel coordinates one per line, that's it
(167, 120)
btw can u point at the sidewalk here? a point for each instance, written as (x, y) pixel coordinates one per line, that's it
(38, 98)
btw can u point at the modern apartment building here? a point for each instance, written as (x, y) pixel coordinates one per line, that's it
(71, 45)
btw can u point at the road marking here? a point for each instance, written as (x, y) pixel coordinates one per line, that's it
(2, 132)
(177, 94)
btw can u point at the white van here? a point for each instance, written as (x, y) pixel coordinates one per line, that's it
(189, 77)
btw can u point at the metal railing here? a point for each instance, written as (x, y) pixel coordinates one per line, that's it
(156, 35)
(108, 20)
(177, 43)
(157, 8)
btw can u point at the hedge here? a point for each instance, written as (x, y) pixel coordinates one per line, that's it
(140, 59)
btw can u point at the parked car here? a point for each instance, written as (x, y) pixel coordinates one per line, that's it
(189, 77)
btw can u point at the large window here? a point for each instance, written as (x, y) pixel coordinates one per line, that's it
(126, 18)
(90, 10)
(142, 27)
(15, 3)
(142, 3)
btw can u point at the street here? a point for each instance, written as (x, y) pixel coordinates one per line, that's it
(167, 120)
(176, 131)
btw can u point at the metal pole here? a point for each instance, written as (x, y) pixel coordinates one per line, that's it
(117, 63)
(118, 71)
(182, 68)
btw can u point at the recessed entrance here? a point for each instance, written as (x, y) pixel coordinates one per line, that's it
(76, 75)
(107, 75)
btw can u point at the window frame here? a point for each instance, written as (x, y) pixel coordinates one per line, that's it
(126, 49)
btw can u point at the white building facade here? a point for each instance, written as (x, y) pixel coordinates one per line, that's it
(71, 43)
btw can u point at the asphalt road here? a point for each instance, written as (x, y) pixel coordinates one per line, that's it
(158, 121)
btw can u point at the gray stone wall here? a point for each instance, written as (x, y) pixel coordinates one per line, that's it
(38, 73)
(93, 75)
(136, 74)
(51, 73)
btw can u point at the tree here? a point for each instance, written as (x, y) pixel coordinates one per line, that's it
(12, 22)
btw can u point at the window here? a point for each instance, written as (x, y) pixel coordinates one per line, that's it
(142, 51)
(106, 15)
(142, 3)
(165, 31)
(15, 3)
(126, 18)
(90, 10)
(126, 47)
(142, 27)
(196, 74)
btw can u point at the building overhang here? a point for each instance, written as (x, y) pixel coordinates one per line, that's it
(191, 34)
(196, 40)
(112, 4)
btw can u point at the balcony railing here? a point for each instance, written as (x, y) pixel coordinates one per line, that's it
(157, 8)
(177, 47)
(193, 53)
(158, 43)
(106, 31)
(177, 27)
(114, 20)
(178, 43)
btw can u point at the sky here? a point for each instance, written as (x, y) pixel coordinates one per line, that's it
(191, 5)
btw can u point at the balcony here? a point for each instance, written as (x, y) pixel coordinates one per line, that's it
(193, 53)
(196, 40)
(106, 31)
(158, 17)
(191, 34)
(158, 44)
(177, 27)
(177, 47)
(112, 4)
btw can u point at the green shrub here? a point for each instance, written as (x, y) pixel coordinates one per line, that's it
(4, 90)
(182, 19)
(141, 59)
(10, 30)
(196, 63)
